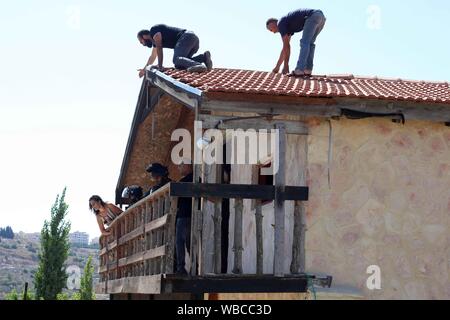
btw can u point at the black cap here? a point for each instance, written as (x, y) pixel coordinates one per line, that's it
(158, 168)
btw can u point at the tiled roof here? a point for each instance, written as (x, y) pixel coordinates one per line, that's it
(258, 82)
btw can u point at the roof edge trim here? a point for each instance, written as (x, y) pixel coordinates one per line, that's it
(186, 94)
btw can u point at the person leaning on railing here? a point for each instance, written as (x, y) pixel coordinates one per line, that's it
(105, 213)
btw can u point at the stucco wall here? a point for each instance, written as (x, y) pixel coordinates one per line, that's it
(383, 199)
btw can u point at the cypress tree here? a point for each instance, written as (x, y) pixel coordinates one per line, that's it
(86, 287)
(51, 276)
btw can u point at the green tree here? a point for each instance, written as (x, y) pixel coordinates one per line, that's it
(86, 288)
(13, 295)
(51, 276)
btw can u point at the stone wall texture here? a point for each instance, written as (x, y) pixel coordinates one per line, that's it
(379, 195)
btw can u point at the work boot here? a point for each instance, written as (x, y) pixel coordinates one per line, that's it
(198, 68)
(208, 61)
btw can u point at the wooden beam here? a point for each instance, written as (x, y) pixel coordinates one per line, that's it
(136, 285)
(185, 94)
(298, 241)
(234, 191)
(238, 247)
(233, 284)
(196, 218)
(435, 112)
(280, 183)
(131, 259)
(265, 108)
(155, 253)
(130, 236)
(235, 123)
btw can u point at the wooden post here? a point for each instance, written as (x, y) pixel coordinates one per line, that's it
(259, 239)
(116, 251)
(298, 264)
(280, 183)
(143, 237)
(25, 291)
(218, 237)
(159, 235)
(196, 221)
(217, 222)
(146, 220)
(298, 245)
(170, 236)
(237, 247)
(196, 224)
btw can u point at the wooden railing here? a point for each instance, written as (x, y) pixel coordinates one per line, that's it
(141, 246)
(140, 249)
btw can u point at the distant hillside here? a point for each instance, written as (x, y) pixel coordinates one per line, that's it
(19, 261)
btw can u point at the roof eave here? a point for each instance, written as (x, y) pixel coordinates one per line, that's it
(185, 94)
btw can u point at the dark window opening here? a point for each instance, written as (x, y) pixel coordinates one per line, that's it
(265, 180)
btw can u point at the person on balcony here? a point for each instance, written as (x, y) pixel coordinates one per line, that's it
(183, 220)
(105, 213)
(132, 194)
(159, 175)
(184, 43)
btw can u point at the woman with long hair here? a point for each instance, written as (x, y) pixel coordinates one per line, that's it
(105, 213)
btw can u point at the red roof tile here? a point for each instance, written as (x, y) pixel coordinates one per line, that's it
(258, 82)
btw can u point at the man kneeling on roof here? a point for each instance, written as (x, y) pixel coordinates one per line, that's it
(185, 44)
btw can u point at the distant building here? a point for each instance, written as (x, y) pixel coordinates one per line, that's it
(95, 241)
(34, 237)
(79, 238)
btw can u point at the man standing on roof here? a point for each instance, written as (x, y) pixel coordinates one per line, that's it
(185, 44)
(311, 22)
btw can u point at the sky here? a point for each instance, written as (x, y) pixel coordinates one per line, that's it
(69, 86)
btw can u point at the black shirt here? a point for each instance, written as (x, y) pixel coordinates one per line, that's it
(294, 21)
(155, 188)
(185, 204)
(170, 35)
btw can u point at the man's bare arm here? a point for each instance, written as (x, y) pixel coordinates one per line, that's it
(287, 53)
(284, 55)
(159, 49)
(150, 61)
(280, 62)
(152, 58)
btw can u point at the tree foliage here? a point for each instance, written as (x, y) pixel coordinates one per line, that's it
(7, 233)
(51, 276)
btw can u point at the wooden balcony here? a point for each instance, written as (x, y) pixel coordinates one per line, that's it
(138, 256)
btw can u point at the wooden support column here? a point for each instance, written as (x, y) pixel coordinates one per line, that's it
(196, 222)
(218, 224)
(237, 247)
(170, 235)
(298, 245)
(259, 239)
(218, 237)
(147, 213)
(298, 265)
(280, 183)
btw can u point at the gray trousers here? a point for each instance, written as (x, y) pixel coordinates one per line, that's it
(186, 47)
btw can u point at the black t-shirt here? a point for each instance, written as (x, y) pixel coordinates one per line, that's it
(185, 204)
(294, 21)
(158, 186)
(170, 35)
